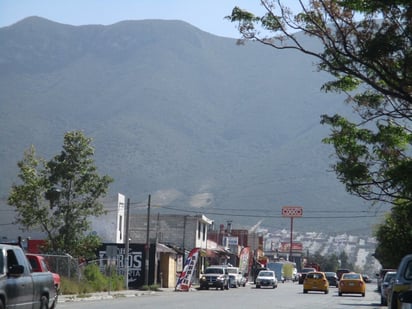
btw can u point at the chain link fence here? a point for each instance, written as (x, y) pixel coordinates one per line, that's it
(64, 265)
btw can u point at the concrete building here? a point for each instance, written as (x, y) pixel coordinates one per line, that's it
(181, 232)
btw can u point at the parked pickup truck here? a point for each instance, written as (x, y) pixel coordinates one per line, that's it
(38, 264)
(403, 283)
(21, 288)
(216, 277)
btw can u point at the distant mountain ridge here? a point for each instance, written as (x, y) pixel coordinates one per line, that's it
(202, 124)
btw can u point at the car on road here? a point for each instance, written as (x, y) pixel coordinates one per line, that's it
(235, 277)
(303, 273)
(316, 281)
(266, 278)
(366, 278)
(332, 278)
(380, 277)
(215, 277)
(386, 285)
(342, 271)
(402, 283)
(352, 283)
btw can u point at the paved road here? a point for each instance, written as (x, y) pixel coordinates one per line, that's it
(287, 296)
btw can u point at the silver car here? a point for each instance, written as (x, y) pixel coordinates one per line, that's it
(387, 281)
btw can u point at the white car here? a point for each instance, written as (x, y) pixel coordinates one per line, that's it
(266, 278)
(235, 277)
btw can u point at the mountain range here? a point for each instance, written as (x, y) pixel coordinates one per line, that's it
(199, 122)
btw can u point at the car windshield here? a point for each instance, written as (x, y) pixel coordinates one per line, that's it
(351, 276)
(314, 276)
(330, 274)
(214, 271)
(307, 270)
(266, 274)
(389, 276)
(231, 271)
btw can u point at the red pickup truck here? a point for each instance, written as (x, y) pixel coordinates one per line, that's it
(38, 265)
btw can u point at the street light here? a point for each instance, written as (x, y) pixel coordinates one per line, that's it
(53, 196)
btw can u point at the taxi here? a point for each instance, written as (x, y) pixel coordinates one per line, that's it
(352, 283)
(316, 281)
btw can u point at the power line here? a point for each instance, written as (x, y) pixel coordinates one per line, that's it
(265, 215)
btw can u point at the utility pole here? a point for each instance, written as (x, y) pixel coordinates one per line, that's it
(292, 212)
(147, 247)
(126, 252)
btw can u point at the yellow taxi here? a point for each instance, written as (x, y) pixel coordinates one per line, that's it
(316, 281)
(352, 283)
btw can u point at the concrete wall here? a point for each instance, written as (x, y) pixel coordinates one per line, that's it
(178, 230)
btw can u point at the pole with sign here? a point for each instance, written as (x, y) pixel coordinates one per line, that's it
(291, 212)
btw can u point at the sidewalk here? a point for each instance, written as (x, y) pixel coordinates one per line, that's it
(113, 295)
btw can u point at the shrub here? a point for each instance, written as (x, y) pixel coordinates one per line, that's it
(93, 281)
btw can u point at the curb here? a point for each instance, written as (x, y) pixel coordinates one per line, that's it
(108, 295)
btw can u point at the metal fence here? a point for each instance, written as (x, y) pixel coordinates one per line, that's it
(64, 265)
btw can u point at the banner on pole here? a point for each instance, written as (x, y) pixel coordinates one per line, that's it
(185, 279)
(244, 261)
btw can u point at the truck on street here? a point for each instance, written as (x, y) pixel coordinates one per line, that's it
(38, 264)
(19, 286)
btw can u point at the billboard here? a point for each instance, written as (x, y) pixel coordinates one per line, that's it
(292, 211)
(115, 254)
(285, 247)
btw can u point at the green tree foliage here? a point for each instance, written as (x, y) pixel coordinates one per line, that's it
(327, 262)
(372, 56)
(60, 195)
(395, 235)
(331, 262)
(366, 48)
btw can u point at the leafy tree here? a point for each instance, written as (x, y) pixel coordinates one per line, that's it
(58, 196)
(372, 56)
(366, 48)
(329, 262)
(394, 235)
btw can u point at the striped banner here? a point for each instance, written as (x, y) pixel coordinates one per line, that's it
(185, 279)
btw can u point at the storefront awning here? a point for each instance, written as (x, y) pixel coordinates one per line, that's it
(164, 249)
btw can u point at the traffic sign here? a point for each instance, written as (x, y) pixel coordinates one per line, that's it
(292, 211)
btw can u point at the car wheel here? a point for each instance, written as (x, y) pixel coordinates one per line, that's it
(340, 293)
(363, 294)
(305, 291)
(44, 302)
(257, 286)
(326, 291)
(383, 301)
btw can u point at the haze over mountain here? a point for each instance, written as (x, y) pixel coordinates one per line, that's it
(200, 123)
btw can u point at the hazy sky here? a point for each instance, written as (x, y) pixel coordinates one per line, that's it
(207, 15)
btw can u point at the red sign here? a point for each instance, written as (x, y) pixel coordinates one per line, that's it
(292, 211)
(296, 247)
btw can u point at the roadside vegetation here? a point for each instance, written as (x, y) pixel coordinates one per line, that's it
(92, 280)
